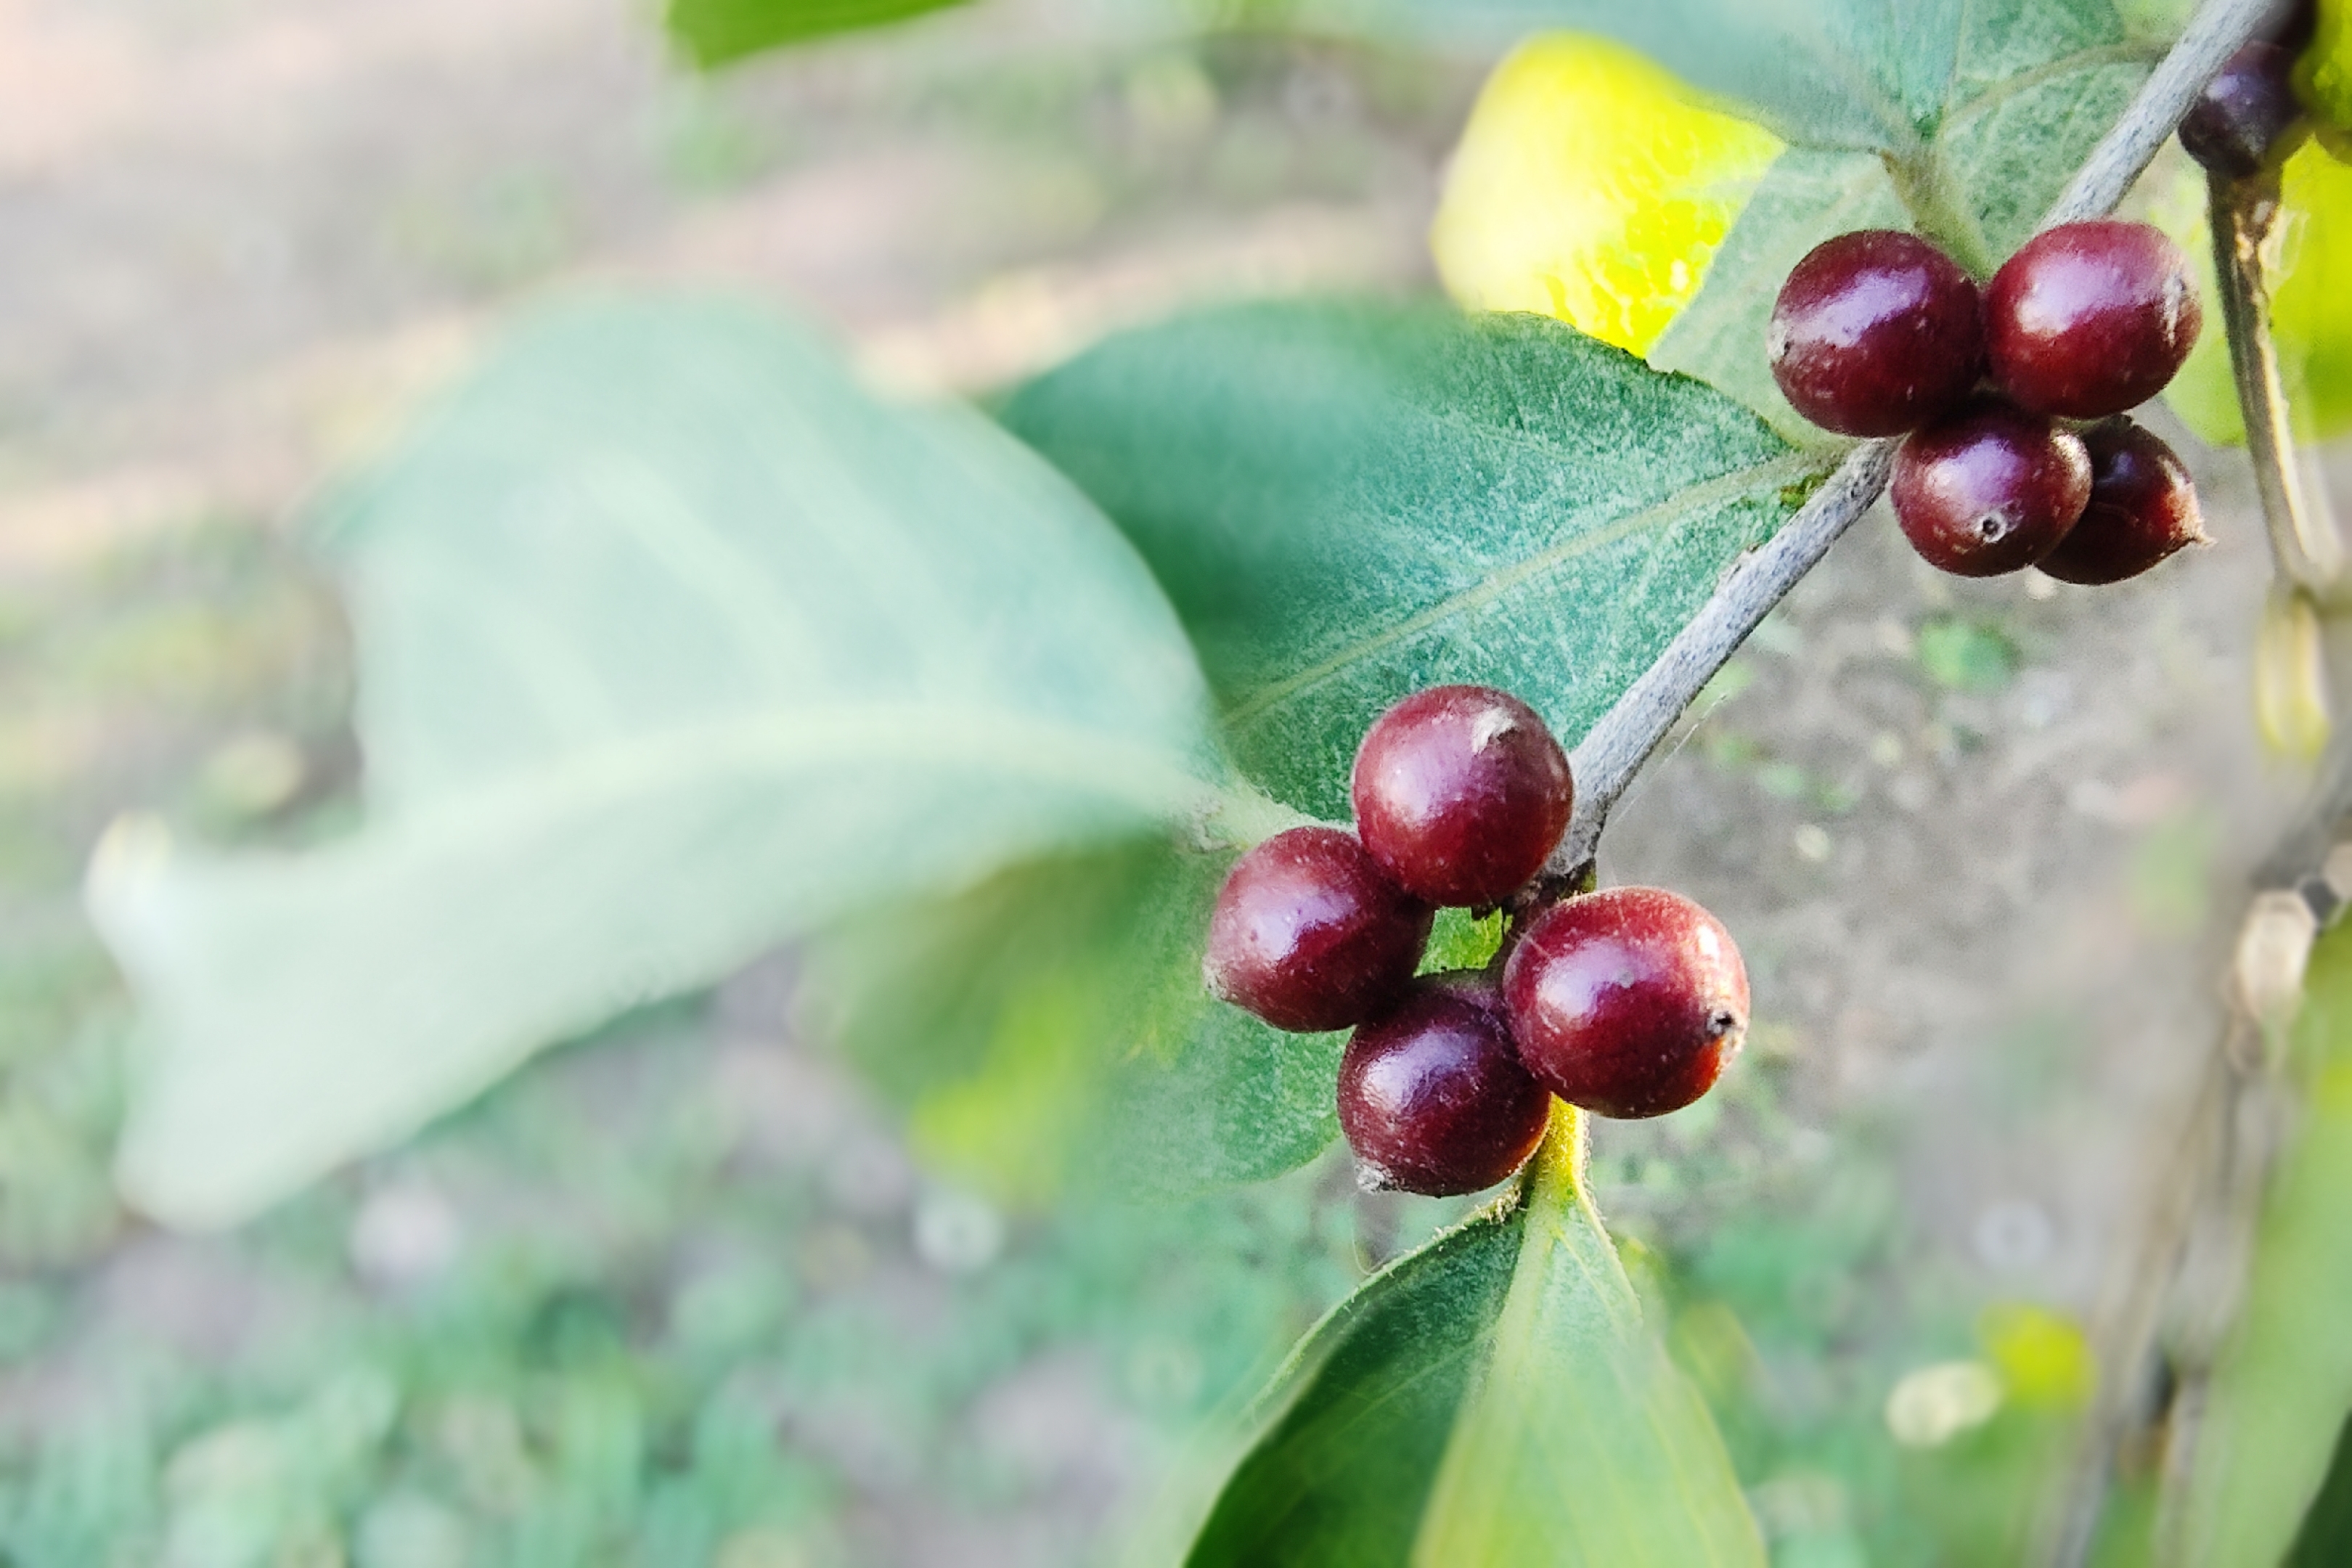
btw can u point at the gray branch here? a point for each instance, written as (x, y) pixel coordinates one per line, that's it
(2303, 544)
(1613, 750)
(1613, 753)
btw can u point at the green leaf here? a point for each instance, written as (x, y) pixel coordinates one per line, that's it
(2311, 303)
(2324, 1538)
(1349, 501)
(672, 643)
(1495, 1399)
(2038, 85)
(1871, 76)
(2283, 1384)
(715, 32)
(1049, 1029)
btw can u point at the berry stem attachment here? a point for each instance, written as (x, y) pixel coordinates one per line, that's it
(1613, 750)
(1560, 1160)
(1922, 182)
(2304, 546)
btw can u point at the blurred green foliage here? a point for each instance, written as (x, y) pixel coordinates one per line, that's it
(716, 32)
(2283, 1385)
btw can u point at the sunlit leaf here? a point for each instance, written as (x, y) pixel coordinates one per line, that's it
(1349, 502)
(672, 642)
(1871, 76)
(2283, 1384)
(1494, 1401)
(1592, 186)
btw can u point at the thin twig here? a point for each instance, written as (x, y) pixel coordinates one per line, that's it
(2303, 544)
(1614, 748)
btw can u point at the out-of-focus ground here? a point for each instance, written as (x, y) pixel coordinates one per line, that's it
(1983, 844)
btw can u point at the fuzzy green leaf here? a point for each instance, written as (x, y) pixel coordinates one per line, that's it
(1871, 75)
(2283, 1384)
(1493, 1400)
(717, 32)
(1348, 502)
(672, 643)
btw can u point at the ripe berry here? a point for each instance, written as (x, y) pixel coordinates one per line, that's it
(1308, 934)
(2143, 507)
(1627, 1002)
(1875, 332)
(1460, 793)
(1992, 492)
(1433, 1097)
(2090, 319)
(2247, 115)
(2293, 32)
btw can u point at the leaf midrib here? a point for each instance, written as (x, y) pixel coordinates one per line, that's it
(1153, 779)
(1773, 473)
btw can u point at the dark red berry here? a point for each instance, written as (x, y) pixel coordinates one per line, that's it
(2246, 117)
(2143, 507)
(1627, 1002)
(2293, 31)
(1433, 1097)
(2090, 319)
(1991, 492)
(1309, 934)
(1460, 793)
(1875, 332)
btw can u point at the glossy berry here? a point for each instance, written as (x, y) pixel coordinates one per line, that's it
(2090, 319)
(1991, 492)
(1627, 1001)
(2142, 508)
(1875, 332)
(1433, 1097)
(1308, 934)
(1460, 793)
(2247, 117)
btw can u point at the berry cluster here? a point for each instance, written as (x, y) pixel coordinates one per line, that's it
(1627, 1002)
(1879, 333)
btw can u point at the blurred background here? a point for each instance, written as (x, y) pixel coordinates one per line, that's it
(1985, 845)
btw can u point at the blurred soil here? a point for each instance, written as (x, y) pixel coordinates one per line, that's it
(1984, 844)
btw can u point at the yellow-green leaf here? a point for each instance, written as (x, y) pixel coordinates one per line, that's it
(2311, 303)
(2285, 1383)
(1593, 186)
(2323, 77)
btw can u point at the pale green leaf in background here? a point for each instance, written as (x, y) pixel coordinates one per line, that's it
(2283, 1384)
(1348, 502)
(672, 643)
(1494, 1401)
(1048, 1030)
